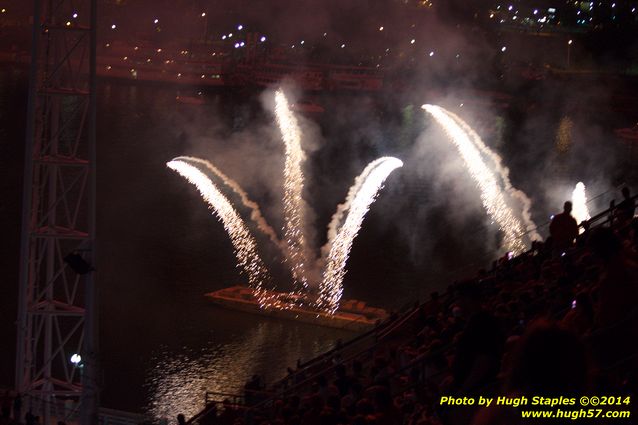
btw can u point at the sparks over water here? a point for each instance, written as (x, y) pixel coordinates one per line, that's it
(360, 197)
(255, 214)
(293, 191)
(503, 173)
(243, 242)
(491, 194)
(341, 232)
(579, 204)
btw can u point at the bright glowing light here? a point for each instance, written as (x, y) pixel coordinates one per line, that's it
(203, 14)
(263, 38)
(343, 45)
(242, 44)
(113, 26)
(236, 45)
(243, 242)
(579, 204)
(510, 7)
(504, 48)
(76, 359)
(431, 54)
(240, 27)
(75, 15)
(155, 20)
(230, 35)
(293, 191)
(224, 37)
(380, 28)
(302, 42)
(412, 41)
(570, 42)
(491, 194)
(360, 197)
(535, 11)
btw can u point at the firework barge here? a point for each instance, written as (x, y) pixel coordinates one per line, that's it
(352, 314)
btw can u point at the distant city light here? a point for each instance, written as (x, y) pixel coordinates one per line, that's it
(380, 28)
(510, 7)
(155, 20)
(76, 359)
(325, 34)
(242, 44)
(504, 48)
(431, 54)
(570, 42)
(68, 23)
(113, 26)
(230, 35)
(203, 14)
(343, 45)
(535, 11)
(4, 10)
(263, 38)
(240, 27)
(412, 41)
(613, 5)
(302, 42)
(236, 45)
(75, 15)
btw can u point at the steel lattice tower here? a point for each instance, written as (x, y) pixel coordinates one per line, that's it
(57, 299)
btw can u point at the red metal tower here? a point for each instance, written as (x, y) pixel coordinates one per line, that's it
(56, 343)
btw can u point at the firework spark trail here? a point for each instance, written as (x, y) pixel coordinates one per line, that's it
(255, 214)
(491, 194)
(293, 188)
(243, 242)
(579, 204)
(337, 218)
(331, 287)
(503, 172)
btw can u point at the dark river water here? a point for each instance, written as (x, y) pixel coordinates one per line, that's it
(160, 250)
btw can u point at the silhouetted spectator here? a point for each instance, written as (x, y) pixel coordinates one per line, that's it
(626, 208)
(478, 353)
(563, 229)
(181, 419)
(548, 360)
(580, 318)
(617, 316)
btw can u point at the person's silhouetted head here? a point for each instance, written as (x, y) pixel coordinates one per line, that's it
(549, 360)
(625, 192)
(567, 207)
(181, 419)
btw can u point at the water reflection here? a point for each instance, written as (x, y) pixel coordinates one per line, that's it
(179, 377)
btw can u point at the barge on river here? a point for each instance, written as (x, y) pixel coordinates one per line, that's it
(352, 314)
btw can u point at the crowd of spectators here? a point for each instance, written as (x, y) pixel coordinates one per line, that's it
(559, 320)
